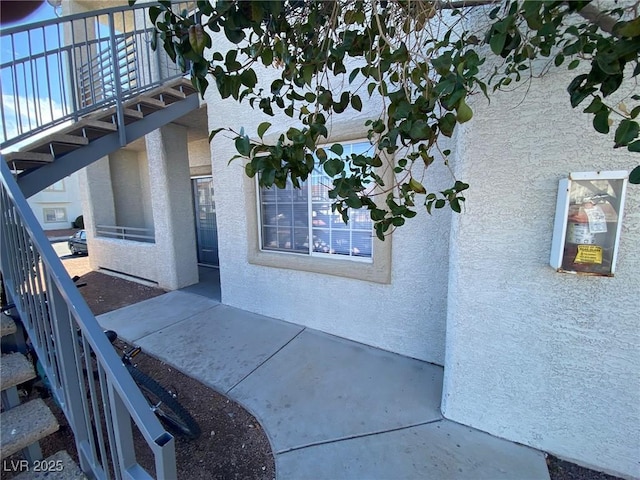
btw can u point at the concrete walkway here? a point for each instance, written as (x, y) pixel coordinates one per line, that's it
(332, 408)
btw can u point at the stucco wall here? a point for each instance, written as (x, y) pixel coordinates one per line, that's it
(199, 158)
(406, 316)
(543, 358)
(136, 259)
(127, 188)
(67, 198)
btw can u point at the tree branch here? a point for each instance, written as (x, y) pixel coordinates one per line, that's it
(453, 4)
(602, 20)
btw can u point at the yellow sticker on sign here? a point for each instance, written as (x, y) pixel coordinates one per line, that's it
(589, 254)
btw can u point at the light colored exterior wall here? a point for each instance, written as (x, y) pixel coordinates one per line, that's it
(546, 359)
(199, 158)
(68, 199)
(171, 201)
(126, 181)
(160, 189)
(406, 315)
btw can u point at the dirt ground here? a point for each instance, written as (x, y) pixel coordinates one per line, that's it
(233, 444)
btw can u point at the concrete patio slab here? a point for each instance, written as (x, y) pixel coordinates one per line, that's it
(141, 319)
(332, 408)
(220, 346)
(320, 388)
(440, 450)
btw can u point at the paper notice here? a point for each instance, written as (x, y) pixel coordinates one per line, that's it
(589, 254)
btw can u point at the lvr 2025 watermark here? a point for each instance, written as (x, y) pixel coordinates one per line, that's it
(37, 466)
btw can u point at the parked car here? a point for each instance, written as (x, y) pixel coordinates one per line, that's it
(78, 243)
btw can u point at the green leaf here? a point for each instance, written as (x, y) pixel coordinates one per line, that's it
(634, 147)
(416, 186)
(447, 124)
(333, 166)
(626, 132)
(420, 130)
(634, 176)
(497, 43)
(214, 133)
(266, 56)
(353, 201)
(601, 121)
(262, 128)
(249, 78)
(337, 149)
(455, 204)
(234, 35)
(321, 154)
(353, 74)
(595, 106)
(356, 103)
(464, 112)
(628, 29)
(242, 146)
(574, 64)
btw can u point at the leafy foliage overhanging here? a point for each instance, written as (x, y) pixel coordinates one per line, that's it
(419, 60)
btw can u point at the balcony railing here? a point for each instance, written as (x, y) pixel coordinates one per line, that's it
(56, 71)
(126, 233)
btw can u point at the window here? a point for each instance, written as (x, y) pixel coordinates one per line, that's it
(54, 215)
(56, 187)
(301, 220)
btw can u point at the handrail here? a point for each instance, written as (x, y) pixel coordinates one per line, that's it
(68, 340)
(39, 89)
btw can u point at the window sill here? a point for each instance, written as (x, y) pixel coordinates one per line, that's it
(378, 271)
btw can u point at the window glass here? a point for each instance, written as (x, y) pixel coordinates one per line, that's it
(53, 215)
(285, 213)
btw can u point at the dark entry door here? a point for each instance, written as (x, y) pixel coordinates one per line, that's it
(205, 212)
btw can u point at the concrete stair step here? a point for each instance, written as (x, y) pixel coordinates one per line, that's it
(14, 370)
(59, 466)
(24, 425)
(7, 325)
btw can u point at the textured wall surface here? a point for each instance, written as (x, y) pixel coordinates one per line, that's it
(406, 316)
(127, 188)
(172, 207)
(69, 199)
(546, 359)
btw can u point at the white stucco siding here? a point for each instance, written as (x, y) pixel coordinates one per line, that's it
(63, 195)
(543, 358)
(131, 258)
(406, 316)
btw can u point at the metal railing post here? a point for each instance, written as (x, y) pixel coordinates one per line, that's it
(118, 84)
(65, 335)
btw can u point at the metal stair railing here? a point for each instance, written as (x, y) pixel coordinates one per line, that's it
(95, 391)
(56, 71)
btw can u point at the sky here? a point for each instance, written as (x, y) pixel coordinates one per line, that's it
(28, 86)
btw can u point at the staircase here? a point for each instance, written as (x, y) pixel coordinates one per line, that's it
(24, 424)
(102, 87)
(99, 133)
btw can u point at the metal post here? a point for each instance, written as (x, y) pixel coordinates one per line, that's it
(118, 96)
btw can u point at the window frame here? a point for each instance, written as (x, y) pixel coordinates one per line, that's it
(310, 227)
(378, 270)
(44, 214)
